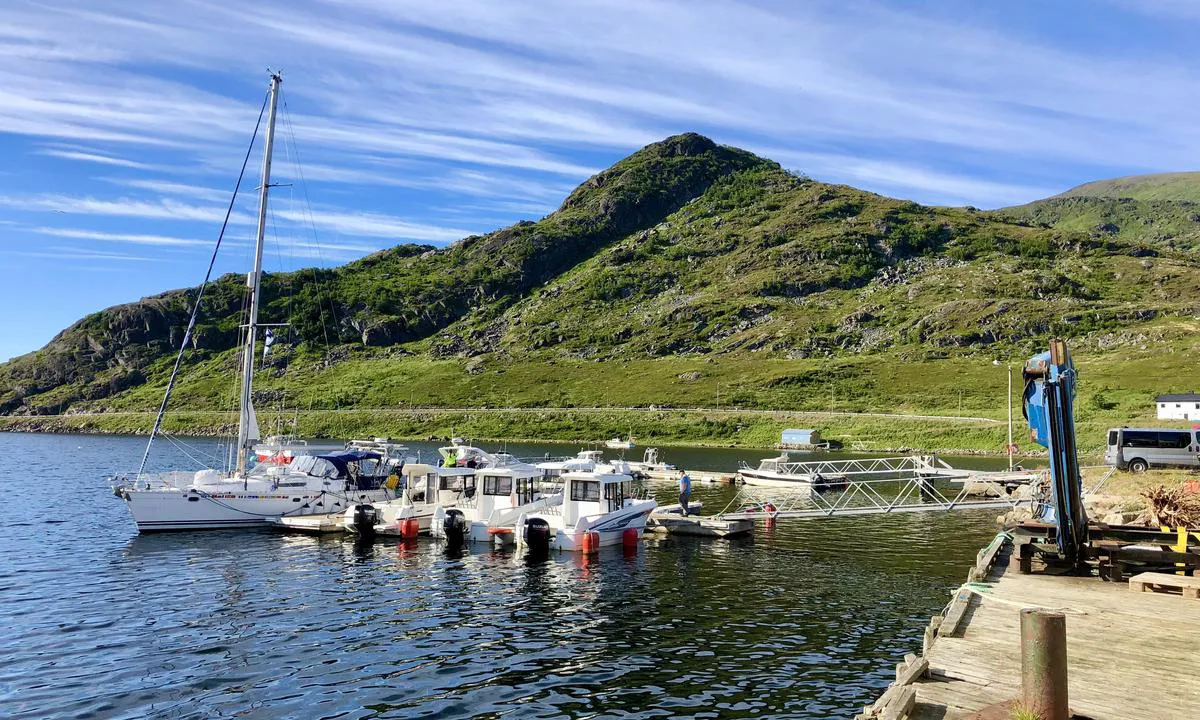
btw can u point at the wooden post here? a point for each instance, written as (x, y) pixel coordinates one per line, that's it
(1044, 663)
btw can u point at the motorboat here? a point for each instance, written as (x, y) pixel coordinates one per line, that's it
(598, 509)
(652, 467)
(489, 516)
(423, 490)
(782, 471)
(618, 444)
(584, 461)
(459, 454)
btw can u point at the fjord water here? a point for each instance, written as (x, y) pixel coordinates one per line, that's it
(803, 621)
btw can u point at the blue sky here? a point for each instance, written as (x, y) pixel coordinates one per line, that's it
(122, 123)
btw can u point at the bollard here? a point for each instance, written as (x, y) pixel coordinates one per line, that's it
(1044, 663)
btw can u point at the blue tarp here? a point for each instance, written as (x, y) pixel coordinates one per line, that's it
(342, 459)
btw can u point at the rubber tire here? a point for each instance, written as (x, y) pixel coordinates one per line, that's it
(1138, 465)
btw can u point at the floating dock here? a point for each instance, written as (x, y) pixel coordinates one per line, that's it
(312, 524)
(1129, 654)
(695, 526)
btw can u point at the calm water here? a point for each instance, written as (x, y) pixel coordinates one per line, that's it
(805, 621)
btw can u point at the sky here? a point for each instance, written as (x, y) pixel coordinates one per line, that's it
(123, 123)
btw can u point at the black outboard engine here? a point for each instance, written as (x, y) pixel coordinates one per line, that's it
(365, 519)
(455, 527)
(537, 536)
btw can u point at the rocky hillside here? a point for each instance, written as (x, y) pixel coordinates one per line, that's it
(685, 249)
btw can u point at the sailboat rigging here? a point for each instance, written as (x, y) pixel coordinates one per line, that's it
(251, 495)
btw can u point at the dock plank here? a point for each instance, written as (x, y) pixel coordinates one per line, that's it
(1129, 654)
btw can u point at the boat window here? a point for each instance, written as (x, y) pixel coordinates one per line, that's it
(526, 488)
(452, 482)
(585, 490)
(552, 472)
(615, 494)
(497, 485)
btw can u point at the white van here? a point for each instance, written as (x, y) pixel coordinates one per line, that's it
(1137, 449)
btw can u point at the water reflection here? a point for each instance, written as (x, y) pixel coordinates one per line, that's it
(800, 620)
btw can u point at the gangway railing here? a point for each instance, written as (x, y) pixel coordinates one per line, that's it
(926, 464)
(871, 487)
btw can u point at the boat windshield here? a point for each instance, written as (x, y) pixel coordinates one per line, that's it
(315, 466)
(497, 485)
(585, 490)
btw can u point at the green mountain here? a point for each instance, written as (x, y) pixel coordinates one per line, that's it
(687, 273)
(1156, 211)
(1180, 186)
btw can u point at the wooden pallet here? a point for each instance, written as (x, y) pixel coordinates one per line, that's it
(1156, 581)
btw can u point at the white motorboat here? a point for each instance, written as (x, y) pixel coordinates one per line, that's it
(652, 467)
(781, 471)
(619, 444)
(585, 461)
(239, 495)
(598, 510)
(505, 494)
(423, 490)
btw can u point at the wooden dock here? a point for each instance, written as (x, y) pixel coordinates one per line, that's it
(1129, 654)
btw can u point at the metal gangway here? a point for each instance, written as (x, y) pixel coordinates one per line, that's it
(871, 486)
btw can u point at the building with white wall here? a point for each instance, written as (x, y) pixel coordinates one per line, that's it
(1179, 406)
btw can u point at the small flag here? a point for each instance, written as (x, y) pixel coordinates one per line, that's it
(268, 340)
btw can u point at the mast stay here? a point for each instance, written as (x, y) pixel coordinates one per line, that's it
(191, 326)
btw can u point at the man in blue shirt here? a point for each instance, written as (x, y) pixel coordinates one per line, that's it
(685, 490)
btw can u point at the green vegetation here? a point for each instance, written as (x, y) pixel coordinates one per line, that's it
(689, 275)
(1151, 212)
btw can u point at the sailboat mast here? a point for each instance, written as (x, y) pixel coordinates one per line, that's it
(247, 425)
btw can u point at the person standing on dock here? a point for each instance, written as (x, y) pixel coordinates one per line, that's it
(685, 490)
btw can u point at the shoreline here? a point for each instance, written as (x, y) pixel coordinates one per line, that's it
(699, 428)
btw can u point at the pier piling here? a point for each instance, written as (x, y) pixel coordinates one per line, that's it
(1044, 663)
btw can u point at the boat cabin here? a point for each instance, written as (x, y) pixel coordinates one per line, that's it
(594, 493)
(439, 485)
(468, 456)
(585, 461)
(507, 487)
(352, 470)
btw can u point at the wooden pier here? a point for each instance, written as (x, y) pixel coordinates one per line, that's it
(1129, 654)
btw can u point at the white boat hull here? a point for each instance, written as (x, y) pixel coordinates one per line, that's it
(162, 510)
(766, 478)
(610, 528)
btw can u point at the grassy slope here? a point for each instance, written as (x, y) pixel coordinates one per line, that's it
(1159, 186)
(1156, 211)
(765, 291)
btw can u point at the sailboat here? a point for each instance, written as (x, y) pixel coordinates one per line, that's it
(246, 495)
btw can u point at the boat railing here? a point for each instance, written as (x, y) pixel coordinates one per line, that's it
(133, 481)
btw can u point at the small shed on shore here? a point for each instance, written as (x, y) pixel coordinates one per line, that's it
(793, 438)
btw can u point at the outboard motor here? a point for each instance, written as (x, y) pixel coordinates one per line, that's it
(537, 536)
(365, 519)
(455, 527)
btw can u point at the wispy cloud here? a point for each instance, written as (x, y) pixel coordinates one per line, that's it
(94, 158)
(70, 253)
(169, 187)
(161, 209)
(367, 224)
(160, 240)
